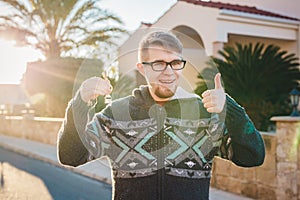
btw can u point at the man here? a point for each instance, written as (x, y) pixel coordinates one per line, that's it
(161, 140)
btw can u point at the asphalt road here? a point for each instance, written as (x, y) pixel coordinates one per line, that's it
(26, 178)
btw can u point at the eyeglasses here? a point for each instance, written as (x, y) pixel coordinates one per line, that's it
(160, 65)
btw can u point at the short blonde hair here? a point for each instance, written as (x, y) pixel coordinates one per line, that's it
(162, 39)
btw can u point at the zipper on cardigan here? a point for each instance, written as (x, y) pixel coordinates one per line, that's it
(161, 116)
(158, 113)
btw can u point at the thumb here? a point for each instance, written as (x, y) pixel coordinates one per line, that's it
(218, 84)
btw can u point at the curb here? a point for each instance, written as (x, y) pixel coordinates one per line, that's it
(54, 163)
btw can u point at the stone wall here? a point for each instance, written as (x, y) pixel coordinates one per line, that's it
(38, 128)
(277, 178)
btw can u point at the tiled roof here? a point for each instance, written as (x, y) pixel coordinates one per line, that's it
(146, 24)
(240, 8)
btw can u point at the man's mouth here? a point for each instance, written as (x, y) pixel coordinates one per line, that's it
(167, 82)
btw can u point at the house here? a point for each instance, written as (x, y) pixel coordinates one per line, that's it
(205, 27)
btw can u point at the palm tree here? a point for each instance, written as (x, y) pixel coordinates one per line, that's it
(59, 28)
(258, 77)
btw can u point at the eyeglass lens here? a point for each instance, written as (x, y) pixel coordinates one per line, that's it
(161, 65)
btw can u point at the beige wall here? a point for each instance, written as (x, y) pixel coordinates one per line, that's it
(257, 182)
(287, 45)
(43, 130)
(289, 8)
(277, 178)
(201, 19)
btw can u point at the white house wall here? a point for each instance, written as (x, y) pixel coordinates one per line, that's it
(227, 27)
(289, 8)
(286, 45)
(201, 19)
(128, 52)
(261, 26)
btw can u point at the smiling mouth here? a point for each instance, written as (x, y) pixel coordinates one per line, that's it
(167, 81)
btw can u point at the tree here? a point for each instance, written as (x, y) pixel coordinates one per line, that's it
(58, 79)
(59, 28)
(258, 77)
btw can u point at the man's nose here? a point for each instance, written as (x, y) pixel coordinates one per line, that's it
(169, 69)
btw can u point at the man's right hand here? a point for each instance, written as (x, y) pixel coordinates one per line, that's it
(93, 87)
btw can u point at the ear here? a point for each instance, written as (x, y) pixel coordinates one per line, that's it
(140, 68)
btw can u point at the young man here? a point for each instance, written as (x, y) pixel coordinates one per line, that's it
(161, 140)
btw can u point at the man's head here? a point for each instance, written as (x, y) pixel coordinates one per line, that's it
(160, 62)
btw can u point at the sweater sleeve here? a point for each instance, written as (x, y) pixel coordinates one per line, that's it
(71, 150)
(246, 143)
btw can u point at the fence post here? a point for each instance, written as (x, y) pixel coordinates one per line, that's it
(287, 157)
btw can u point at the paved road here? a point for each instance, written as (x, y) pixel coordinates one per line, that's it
(26, 178)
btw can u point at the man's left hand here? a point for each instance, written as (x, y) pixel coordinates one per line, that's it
(214, 99)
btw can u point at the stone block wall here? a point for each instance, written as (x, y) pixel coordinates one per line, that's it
(257, 182)
(38, 129)
(278, 178)
(287, 159)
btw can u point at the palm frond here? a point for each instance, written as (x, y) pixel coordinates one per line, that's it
(56, 23)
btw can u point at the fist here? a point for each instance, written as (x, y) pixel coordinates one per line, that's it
(214, 100)
(93, 87)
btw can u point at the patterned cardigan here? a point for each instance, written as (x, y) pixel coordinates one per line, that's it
(165, 151)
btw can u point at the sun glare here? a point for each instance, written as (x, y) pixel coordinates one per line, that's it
(13, 61)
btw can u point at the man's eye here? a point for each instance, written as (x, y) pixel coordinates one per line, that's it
(159, 64)
(176, 62)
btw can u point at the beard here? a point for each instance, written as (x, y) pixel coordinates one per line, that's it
(164, 92)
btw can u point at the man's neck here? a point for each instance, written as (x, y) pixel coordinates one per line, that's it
(161, 102)
(158, 99)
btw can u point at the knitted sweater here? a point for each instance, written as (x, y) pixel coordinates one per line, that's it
(160, 151)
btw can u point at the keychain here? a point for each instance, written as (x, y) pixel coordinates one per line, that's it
(107, 98)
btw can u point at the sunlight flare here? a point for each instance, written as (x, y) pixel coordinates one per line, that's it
(14, 60)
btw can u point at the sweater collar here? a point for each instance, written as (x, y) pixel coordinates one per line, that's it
(143, 97)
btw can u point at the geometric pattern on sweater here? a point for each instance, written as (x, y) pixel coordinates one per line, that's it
(137, 148)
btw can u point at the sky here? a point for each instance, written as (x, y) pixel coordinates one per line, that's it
(13, 62)
(132, 12)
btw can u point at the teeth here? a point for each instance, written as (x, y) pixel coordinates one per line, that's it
(167, 81)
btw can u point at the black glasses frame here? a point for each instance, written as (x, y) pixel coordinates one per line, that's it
(166, 64)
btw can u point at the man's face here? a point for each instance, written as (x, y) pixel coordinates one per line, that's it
(162, 84)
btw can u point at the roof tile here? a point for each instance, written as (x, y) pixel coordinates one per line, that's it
(236, 7)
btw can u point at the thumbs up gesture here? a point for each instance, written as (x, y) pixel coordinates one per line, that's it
(214, 99)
